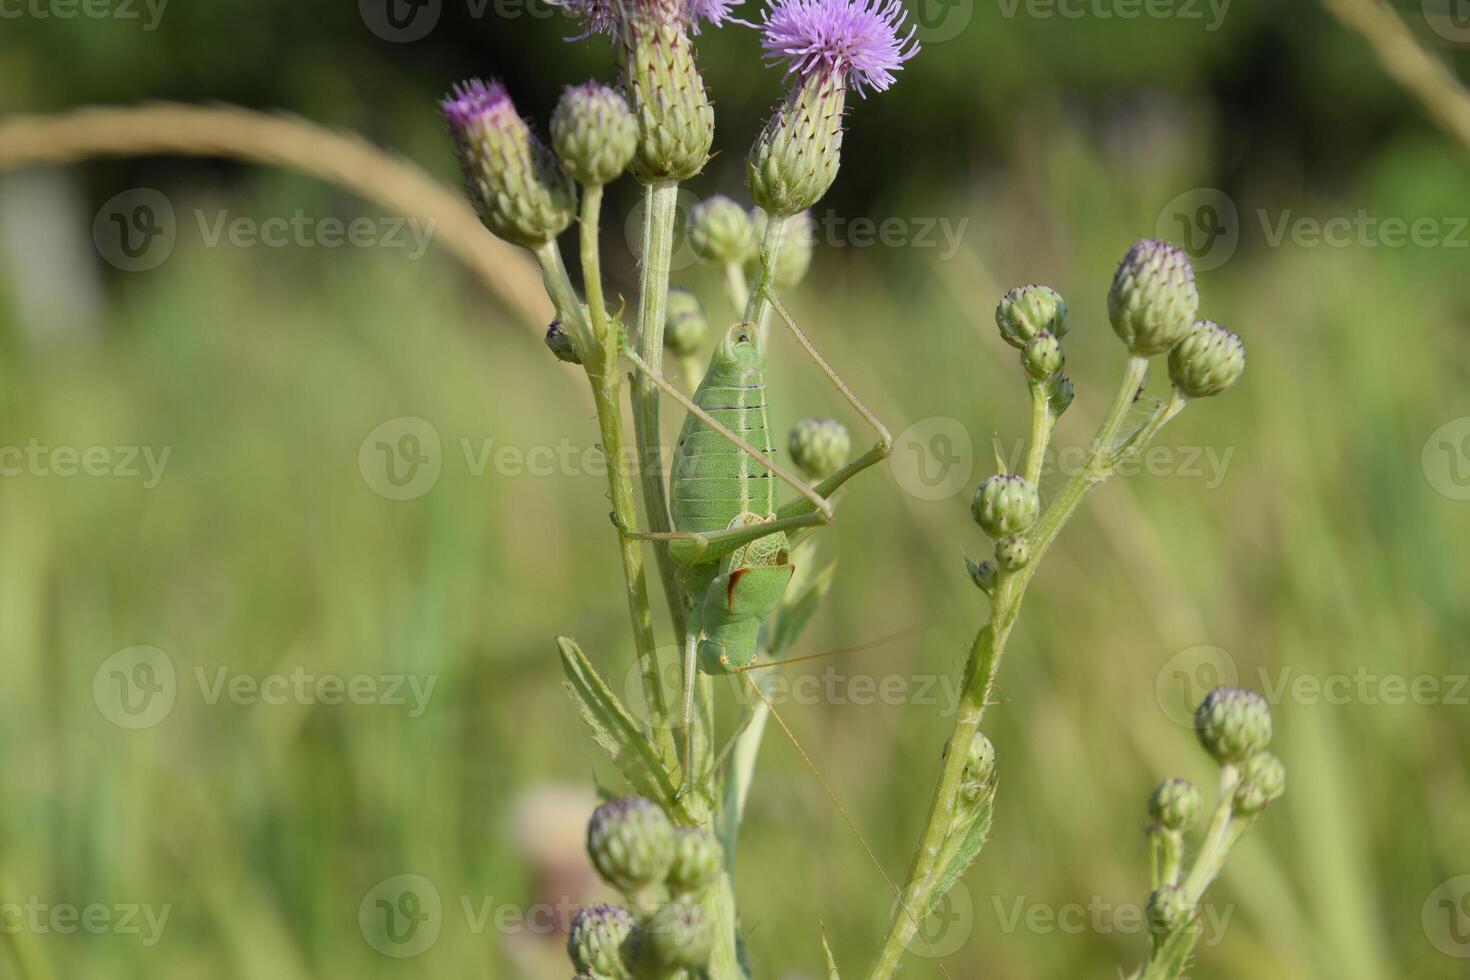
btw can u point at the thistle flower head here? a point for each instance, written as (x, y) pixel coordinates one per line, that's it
(1208, 360)
(518, 188)
(1175, 804)
(857, 40)
(685, 325)
(1005, 505)
(631, 842)
(676, 937)
(606, 16)
(1233, 724)
(1025, 311)
(1168, 910)
(1042, 357)
(720, 232)
(819, 447)
(596, 937)
(698, 859)
(594, 133)
(1153, 298)
(1262, 781)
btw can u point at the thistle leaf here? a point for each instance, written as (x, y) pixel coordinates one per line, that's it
(613, 728)
(962, 848)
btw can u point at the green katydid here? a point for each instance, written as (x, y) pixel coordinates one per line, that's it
(731, 542)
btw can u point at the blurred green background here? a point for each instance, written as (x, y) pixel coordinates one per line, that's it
(1306, 532)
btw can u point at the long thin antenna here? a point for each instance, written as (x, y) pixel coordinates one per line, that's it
(830, 653)
(847, 817)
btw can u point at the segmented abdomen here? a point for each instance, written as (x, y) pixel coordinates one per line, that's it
(713, 480)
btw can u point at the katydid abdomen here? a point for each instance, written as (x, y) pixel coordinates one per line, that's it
(717, 486)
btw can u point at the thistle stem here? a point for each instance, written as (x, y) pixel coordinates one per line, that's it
(601, 364)
(659, 203)
(1041, 426)
(736, 286)
(986, 653)
(758, 305)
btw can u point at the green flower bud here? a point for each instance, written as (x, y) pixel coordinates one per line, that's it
(795, 257)
(676, 124)
(720, 232)
(594, 133)
(685, 325)
(676, 937)
(819, 447)
(698, 861)
(631, 842)
(560, 343)
(1263, 781)
(1026, 311)
(1233, 724)
(979, 776)
(520, 191)
(596, 939)
(1168, 910)
(1153, 298)
(1043, 357)
(1175, 804)
(1005, 504)
(983, 574)
(1207, 361)
(1060, 395)
(1013, 552)
(795, 159)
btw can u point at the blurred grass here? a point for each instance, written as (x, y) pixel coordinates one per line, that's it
(1324, 550)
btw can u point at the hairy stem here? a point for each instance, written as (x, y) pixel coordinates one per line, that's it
(600, 360)
(758, 305)
(986, 653)
(653, 294)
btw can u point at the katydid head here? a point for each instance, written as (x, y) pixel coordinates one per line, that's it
(738, 361)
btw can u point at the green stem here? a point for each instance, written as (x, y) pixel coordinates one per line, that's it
(736, 286)
(986, 652)
(653, 293)
(758, 304)
(602, 375)
(1041, 426)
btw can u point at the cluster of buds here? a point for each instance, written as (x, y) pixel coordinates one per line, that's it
(1153, 305)
(1234, 727)
(1005, 506)
(726, 236)
(1033, 319)
(662, 871)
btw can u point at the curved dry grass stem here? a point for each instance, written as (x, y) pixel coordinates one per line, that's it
(287, 141)
(1407, 61)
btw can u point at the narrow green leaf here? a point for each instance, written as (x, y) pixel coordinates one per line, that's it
(613, 728)
(831, 962)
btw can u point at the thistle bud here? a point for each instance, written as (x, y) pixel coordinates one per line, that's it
(1153, 298)
(1168, 910)
(594, 133)
(676, 124)
(795, 158)
(1013, 552)
(983, 574)
(979, 776)
(631, 842)
(676, 937)
(560, 343)
(698, 860)
(1233, 724)
(520, 191)
(596, 939)
(685, 325)
(795, 257)
(1005, 504)
(1263, 780)
(1043, 357)
(1060, 395)
(1026, 311)
(1208, 360)
(1175, 804)
(819, 447)
(720, 232)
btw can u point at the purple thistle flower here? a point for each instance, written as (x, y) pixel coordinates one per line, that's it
(473, 100)
(597, 16)
(857, 39)
(603, 17)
